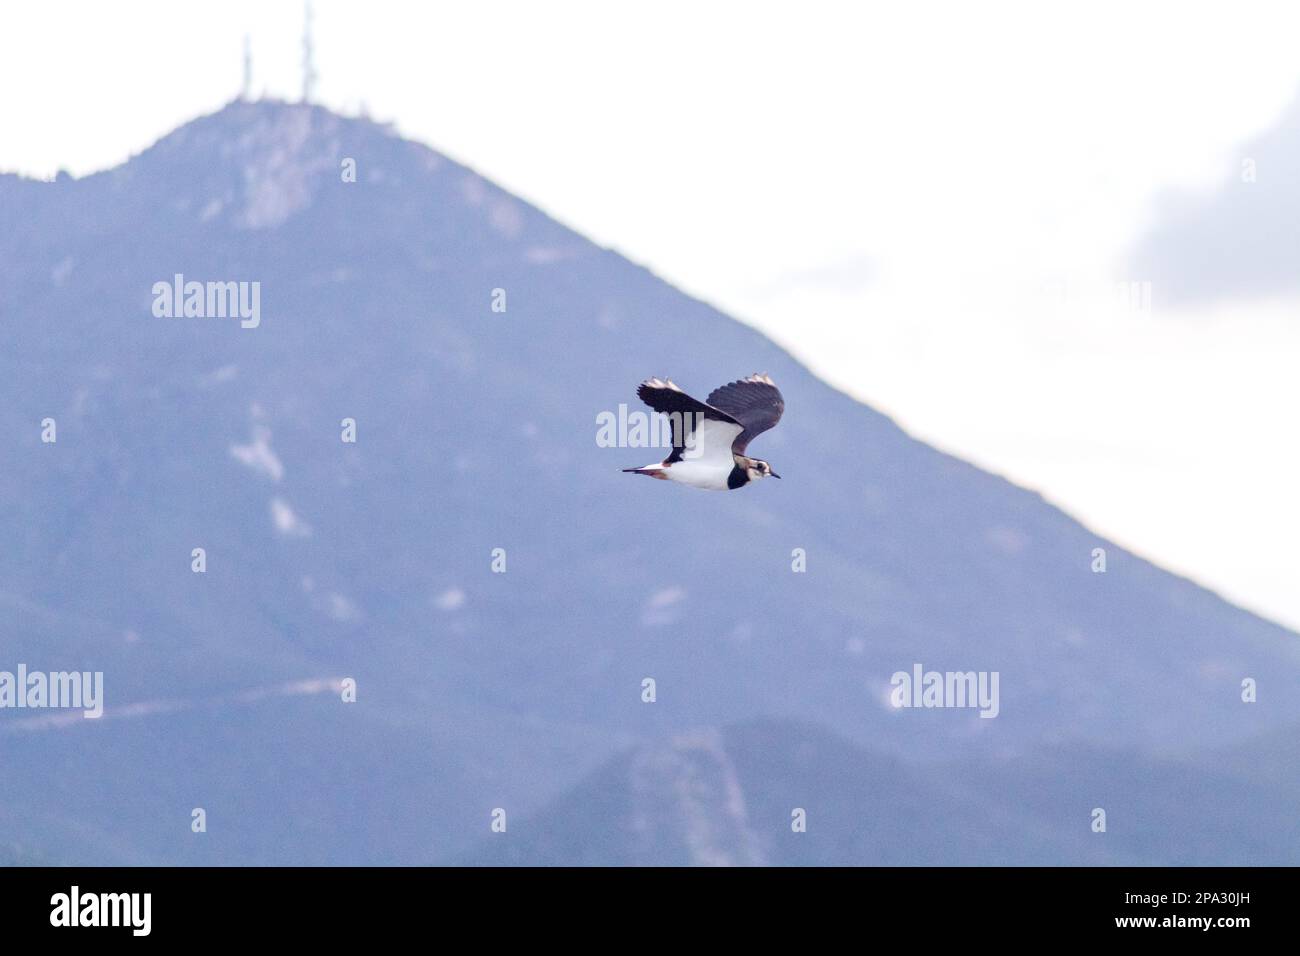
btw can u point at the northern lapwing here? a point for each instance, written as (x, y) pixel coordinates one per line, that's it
(709, 438)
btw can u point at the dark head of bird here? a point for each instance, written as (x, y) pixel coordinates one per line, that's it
(756, 468)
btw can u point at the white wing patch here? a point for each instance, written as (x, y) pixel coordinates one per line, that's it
(707, 461)
(710, 444)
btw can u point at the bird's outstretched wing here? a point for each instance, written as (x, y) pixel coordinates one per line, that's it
(755, 402)
(700, 432)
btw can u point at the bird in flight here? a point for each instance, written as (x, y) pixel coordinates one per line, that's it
(710, 438)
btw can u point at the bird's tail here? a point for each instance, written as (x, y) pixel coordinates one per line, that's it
(654, 471)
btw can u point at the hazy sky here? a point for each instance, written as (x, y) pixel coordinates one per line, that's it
(934, 206)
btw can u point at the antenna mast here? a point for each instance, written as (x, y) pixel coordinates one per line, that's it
(246, 92)
(308, 56)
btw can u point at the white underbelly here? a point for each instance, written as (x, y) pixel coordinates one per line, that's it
(708, 475)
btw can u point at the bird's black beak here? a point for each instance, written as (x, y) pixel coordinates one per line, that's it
(775, 475)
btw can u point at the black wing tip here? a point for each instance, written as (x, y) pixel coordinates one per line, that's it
(657, 383)
(758, 378)
(652, 386)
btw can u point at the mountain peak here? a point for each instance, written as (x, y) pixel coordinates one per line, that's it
(258, 166)
(262, 162)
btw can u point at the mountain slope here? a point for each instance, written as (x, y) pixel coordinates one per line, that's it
(476, 431)
(731, 796)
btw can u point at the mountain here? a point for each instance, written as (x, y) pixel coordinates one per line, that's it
(476, 431)
(731, 796)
